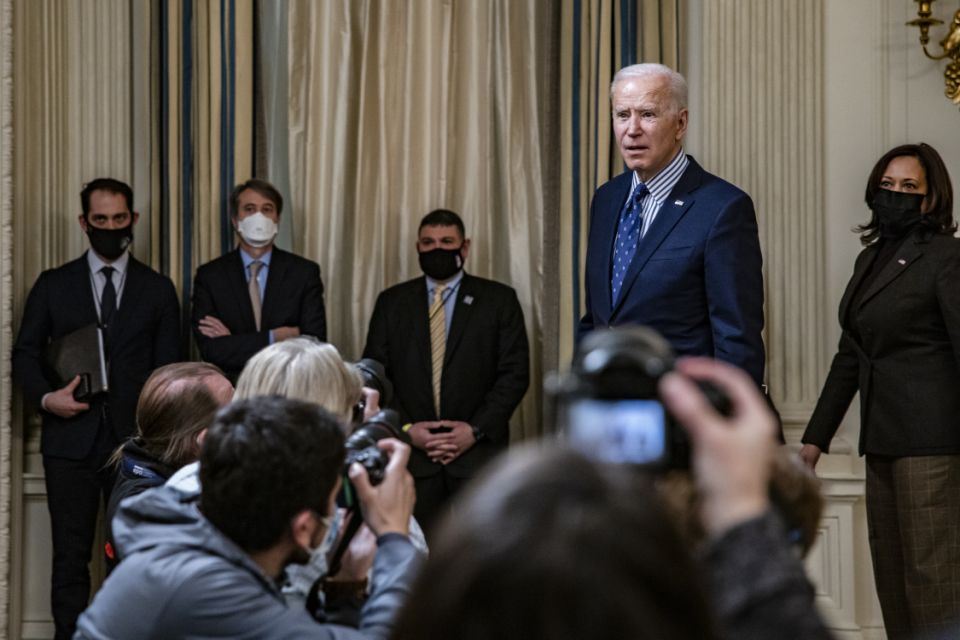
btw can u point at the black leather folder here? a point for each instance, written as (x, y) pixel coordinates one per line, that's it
(79, 353)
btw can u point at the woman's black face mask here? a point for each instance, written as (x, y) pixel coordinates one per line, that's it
(896, 212)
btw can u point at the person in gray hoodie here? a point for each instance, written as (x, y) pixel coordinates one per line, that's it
(208, 568)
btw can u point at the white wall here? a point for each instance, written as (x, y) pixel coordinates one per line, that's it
(877, 91)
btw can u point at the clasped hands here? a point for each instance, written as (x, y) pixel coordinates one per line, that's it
(446, 446)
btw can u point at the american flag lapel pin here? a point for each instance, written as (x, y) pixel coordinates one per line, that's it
(467, 299)
(678, 203)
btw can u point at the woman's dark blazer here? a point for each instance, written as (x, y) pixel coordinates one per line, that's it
(906, 363)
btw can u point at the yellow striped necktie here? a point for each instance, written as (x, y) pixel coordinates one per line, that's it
(438, 340)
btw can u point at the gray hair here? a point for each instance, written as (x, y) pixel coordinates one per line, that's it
(303, 368)
(675, 82)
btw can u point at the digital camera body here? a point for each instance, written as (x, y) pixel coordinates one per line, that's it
(608, 405)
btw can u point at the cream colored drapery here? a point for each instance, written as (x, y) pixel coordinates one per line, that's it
(71, 123)
(598, 38)
(398, 108)
(202, 126)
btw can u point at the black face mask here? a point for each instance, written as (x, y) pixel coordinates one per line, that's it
(110, 243)
(896, 212)
(441, 264)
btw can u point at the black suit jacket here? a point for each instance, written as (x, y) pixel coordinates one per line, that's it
(145, 335)
(906, 363)
(293, 297)
(696, 277)
(485, 368)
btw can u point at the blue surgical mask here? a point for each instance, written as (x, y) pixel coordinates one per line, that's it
(318, 555)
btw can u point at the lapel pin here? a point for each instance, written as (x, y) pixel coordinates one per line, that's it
(678, 203)
(901, 261)
(467, 299)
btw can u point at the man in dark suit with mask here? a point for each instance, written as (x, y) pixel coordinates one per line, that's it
(138, 312)
(455, 348)
(257, 294)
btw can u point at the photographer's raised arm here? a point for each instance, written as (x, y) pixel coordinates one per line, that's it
(731, 457)
(757, 584)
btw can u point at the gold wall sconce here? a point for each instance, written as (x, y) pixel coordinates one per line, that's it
(950, 45)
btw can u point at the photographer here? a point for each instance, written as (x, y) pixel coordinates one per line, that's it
(756, 584)
(176, 405)
(553, 544)
(269, 470)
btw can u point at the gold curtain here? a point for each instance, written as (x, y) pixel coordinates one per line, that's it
(400, 108)
(71, 122)
(202, 120)
(598, 38)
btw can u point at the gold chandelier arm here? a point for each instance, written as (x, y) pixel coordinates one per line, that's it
(940, 57)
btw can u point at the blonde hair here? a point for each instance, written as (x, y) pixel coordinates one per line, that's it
(304, 369)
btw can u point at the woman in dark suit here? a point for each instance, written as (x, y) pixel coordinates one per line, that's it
(900, 348)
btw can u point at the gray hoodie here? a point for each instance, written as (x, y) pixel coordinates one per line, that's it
(182, 578)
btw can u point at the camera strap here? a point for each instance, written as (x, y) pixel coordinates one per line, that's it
(353, 525)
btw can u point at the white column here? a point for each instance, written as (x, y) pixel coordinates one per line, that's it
(761, 128)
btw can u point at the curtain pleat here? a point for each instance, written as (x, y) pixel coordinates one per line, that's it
(400, 108)
(204, 123)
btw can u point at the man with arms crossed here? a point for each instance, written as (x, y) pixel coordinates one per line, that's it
(257, 294)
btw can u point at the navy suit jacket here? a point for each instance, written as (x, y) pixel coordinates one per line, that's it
(696, 276)
(293, 297)
(145, 335)
(485, 366)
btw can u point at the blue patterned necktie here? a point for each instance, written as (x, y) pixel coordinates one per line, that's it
(628, 234)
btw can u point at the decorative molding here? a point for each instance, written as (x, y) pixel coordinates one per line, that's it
(762, 129)
(6, 299)
(830, 564)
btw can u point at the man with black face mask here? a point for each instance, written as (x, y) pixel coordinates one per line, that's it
(455, 348)
(139, 317)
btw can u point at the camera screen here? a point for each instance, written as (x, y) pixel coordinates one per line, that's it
(618, 431)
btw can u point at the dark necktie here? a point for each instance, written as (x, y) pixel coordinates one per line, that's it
(108, 300)
(628, 234)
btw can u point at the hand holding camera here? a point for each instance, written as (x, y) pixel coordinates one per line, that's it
(731, 456)
(387, 505)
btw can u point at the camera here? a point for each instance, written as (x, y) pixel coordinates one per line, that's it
(608, 406)
(361, 445)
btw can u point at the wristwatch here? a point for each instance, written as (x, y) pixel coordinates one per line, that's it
(477, 433)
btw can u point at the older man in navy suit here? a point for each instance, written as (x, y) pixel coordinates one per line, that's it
(672, 246)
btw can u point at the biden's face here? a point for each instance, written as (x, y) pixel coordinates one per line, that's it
(647, 125)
